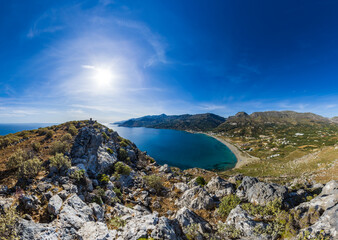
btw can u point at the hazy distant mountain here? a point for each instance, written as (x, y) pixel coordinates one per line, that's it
(334, 119)
(197, 122)
(261, 122)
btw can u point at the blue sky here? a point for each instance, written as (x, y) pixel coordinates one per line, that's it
(112, 60)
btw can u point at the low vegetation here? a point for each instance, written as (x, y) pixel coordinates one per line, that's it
(154, 182)
(227, 204)
(8, 220)
(30, 168)
(200, 181)
(121, 168)
(60, 161)
(59, 147)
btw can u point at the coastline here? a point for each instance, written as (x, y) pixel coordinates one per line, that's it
(242, 158)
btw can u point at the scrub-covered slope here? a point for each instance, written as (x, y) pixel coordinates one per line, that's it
(97, 185)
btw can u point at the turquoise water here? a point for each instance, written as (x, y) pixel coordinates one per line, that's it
(180, 149)
(7, 128)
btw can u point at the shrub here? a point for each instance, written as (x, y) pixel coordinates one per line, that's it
(30, 168)
(200, 181)
(60, 161)
(118, 192)
(49, 134)
(116, 223)
(105, 136)
(154, 181)
(227, 204)
(77, 175)
(36, 146)
(16, 159)
(123, 155)
(103, 178)
(42, 131)
(72, 130)
(8, 222)
(125, 142)
(59, 147)
(66, 137)
(109, 150)
(121, 168)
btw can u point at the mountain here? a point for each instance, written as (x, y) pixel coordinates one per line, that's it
(197, 122)
(81, 180)
(260, 122)
(334, 119)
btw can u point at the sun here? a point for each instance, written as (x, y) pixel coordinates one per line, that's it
(103, 77)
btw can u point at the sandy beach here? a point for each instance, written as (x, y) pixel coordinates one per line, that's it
(242, 158)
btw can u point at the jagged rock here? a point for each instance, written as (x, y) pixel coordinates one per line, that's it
(245, 223)
(156, 205)
(29, 202)
(43, 187)
(5, 203)
(261, 193)
(28, 230)
(90, 151)
(181, 186)
(63, 194)
(242, 190)
(70, 188)
(125, 212)
(109, 195)
(196, 198)
(98, 211)
(151, 225)
(235, 179)
(187, 217)
(73, 215)
(219, 187)
(95, 231)
(327, 225)
(193, 183)
(330, 188)
(54, 205)
(126, 181)
(165, 169)
(110, 185)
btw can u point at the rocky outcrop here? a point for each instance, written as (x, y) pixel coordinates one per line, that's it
(246, 184)
(262, 193)
(196, 198)
(219, 187)
(187, 218)
(54, 205)
(151, 226)
(90, 151)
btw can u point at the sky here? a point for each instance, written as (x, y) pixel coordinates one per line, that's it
(113, 60)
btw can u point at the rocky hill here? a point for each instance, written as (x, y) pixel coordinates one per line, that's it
(93, 184)
(197, 122)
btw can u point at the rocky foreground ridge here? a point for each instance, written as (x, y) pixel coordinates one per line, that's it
(112, 190)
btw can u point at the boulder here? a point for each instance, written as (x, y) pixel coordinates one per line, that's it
(181, 186)
(242, 221)
(165, 169)
(54, 205)
(98, 211)
(28, 230)
(246, 184)
(196, 198)
(29, 202)
(95, 230)
(186, 217)
(219, 187)
(151, 226)
(261, 193)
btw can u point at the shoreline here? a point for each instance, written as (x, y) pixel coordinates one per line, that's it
(242, 158)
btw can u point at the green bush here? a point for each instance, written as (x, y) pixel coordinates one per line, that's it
(72, 130)
(123, 155)
(16, 159)
(154, 181)
(36, 146)
(109, 150)
(8, 222)
(77, 175)
(200, 181)
(60, 161)
(116, 223)
(30, 168)
(118, 192)
(59, 147)
(103, 178)
(125, 142)
(105, 136)
(66, 137)
(49, 134)
(42, 131)
(122, 168)
(227, 204)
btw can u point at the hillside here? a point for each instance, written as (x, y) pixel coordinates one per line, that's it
(197, 122)
(81, 180)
